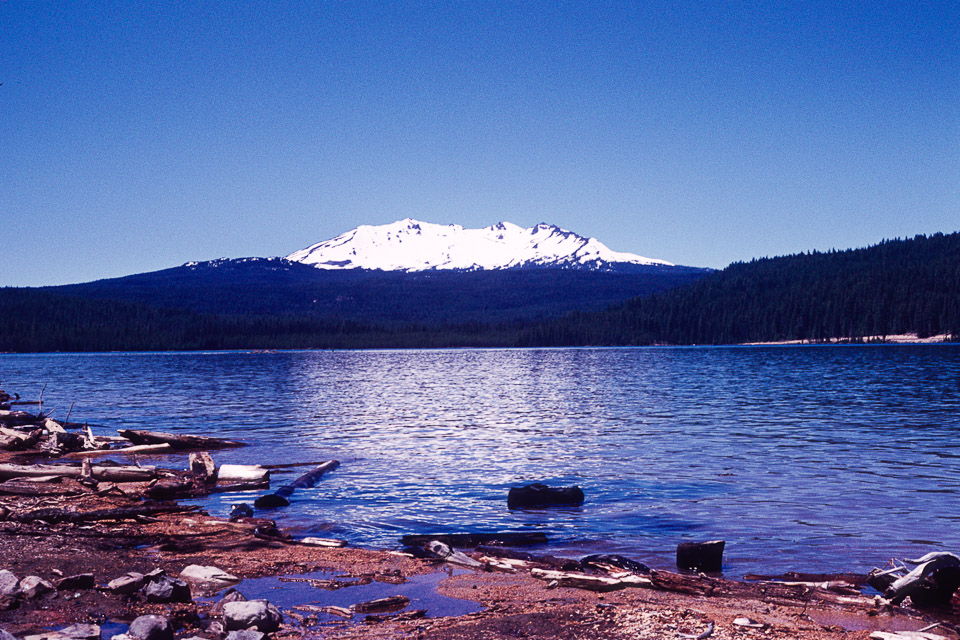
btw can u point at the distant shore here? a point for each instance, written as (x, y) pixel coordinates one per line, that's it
(899, 338)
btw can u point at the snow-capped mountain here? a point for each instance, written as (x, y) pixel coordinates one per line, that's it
(410, 245)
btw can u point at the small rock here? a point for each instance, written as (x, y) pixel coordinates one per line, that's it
(4, 635)
(34, 587)
(9, 583)
(150, 628)
(245, 634)
(231, 595)
(167, 589)
(242, 510)
(80, 631)
(127, 583)
(156, 573)
(79, 581)
(253, 613)
(215, 628)
(208, 576)
(749, 623)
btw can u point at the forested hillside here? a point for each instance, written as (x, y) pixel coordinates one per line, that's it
(897, 286)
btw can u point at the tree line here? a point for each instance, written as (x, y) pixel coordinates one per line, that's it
(897, 286)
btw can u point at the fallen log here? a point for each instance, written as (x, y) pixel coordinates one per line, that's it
(14, 440)
(307, 480)
(242, 473)
(139, 449)
(178, 441)
(591, 583)
(857, 579)
(239, 486)
(123, 513)
(505, 538)
(103, 473)
(390, 603)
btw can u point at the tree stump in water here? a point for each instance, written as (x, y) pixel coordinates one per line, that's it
(701, 556)
(540, 495)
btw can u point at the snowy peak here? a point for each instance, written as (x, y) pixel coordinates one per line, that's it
(411, 245)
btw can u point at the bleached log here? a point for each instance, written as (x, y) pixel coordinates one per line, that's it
(242, 473)
(108, 474)
(592, 583)
(139, 448)
(178, 441)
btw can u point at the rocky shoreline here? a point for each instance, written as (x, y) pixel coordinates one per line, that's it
(82, 558)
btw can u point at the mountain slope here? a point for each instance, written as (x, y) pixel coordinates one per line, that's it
(410, 245)
(274, 286)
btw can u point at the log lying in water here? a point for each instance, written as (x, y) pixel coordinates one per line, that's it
(104, 473)
(178, 441)
(505, 538)
(307, 480)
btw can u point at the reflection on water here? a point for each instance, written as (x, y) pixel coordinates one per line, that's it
(810, 458)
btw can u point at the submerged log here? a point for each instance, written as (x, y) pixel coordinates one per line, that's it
(307, 480)
(391, 603)
(104, 473)
(178, 441)
(505, 538)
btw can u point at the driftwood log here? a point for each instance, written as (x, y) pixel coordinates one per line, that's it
(139, 449)
(125, 513)
(505, 538)
(102, 473)
(178, 441)
(307, 480)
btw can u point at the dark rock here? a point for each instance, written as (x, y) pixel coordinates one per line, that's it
(253, 613)
(701, 556)
(540, 495)
(245, 634)
(167, 589)
(79, 581)
(34, 587)
(150, 628)
(271, 501)
(242, 510)
(9, 584)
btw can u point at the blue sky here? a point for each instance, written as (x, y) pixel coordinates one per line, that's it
(135, 138)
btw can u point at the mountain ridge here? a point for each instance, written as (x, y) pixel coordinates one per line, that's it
(411, 245)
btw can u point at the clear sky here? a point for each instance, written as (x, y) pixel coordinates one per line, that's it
(136, 136)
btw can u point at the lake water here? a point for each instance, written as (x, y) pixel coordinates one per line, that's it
(801, 458)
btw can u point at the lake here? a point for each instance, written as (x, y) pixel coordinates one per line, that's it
(808, 458)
